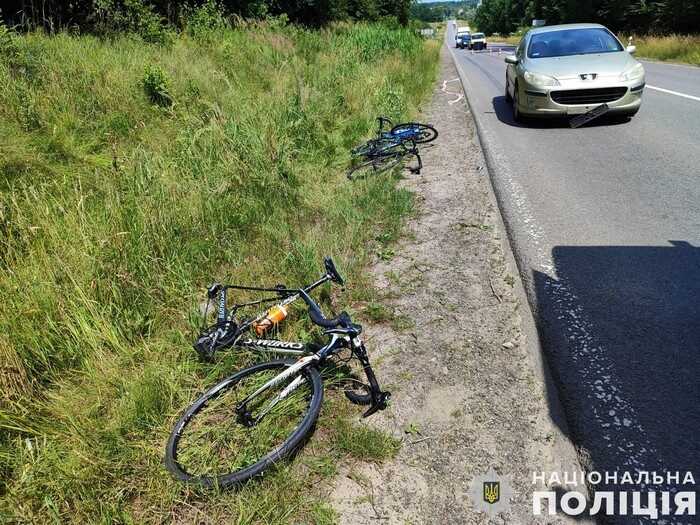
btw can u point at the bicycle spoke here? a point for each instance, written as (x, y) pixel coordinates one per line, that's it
(219, 440)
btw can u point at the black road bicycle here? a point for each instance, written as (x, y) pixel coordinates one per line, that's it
(263, 414)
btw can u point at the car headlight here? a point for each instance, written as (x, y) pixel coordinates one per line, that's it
(540, 80)
(634, 73)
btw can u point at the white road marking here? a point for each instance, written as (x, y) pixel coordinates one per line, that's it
(460, 96)
(662, 63)
(691, 97)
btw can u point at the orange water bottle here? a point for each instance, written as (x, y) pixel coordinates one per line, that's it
(274, 316)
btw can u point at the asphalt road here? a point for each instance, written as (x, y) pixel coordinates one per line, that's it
(605, 225)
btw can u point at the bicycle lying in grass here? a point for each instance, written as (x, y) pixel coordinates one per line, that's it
(263, 413)
(390, 147)
(415, 131)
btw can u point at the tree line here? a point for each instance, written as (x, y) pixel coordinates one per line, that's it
(439, 11)
(640, 16)
(110, 15)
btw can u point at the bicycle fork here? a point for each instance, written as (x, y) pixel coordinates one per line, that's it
(380, 399)
(243, 413)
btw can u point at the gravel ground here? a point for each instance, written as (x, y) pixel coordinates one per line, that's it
(468, 389)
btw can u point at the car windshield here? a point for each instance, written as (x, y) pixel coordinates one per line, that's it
(462, 35)
(478, 35)
(572, 42)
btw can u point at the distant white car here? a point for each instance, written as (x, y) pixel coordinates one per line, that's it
(478, 41)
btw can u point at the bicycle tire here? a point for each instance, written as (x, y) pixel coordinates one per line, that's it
(374, 166)
(364, 149)
(292, 442)
(357, 398)
(374, 147)
(422, 133)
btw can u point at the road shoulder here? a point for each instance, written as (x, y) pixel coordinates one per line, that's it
(459, 350)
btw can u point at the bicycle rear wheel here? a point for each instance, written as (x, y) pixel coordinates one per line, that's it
(364, 149)
(420, 133)
(375, 165)
(215, 444)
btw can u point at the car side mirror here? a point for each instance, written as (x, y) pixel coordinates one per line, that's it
(511, 59)
(631, 49)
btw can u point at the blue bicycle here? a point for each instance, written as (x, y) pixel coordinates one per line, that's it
(389, 136)
(390, 147)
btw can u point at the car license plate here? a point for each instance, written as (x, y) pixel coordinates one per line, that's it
(578, 111)
(584, 118)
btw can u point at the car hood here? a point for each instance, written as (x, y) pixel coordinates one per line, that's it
(603, 64)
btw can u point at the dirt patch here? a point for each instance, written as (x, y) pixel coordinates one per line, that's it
(467, 395)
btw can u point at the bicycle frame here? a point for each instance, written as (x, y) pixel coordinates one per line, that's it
(336, 343)
(289, 300)
(227, 320)
(274, 345)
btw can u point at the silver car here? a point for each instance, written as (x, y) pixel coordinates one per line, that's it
(571, 69)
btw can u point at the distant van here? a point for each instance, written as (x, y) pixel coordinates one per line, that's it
(462, 31)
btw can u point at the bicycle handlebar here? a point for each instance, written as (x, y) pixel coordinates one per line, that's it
(317, 315)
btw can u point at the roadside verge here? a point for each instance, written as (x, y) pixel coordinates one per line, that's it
(457, 346)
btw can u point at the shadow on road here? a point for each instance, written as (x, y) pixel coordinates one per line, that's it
(504, 111)
(621, 329)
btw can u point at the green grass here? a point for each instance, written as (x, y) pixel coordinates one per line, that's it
(131, 176)
(673, 48)
(363, 442)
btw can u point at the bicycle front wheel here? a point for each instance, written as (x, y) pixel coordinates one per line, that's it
(420, 133)
(218, 442)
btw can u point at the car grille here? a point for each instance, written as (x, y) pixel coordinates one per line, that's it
(588, 96)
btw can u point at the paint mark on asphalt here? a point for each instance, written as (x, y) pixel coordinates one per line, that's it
(460, 96)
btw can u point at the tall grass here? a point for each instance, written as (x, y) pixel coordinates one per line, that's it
(131, 176)
(675, 48)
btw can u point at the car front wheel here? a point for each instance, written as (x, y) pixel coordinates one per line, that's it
(517, 116)
(509, 99)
